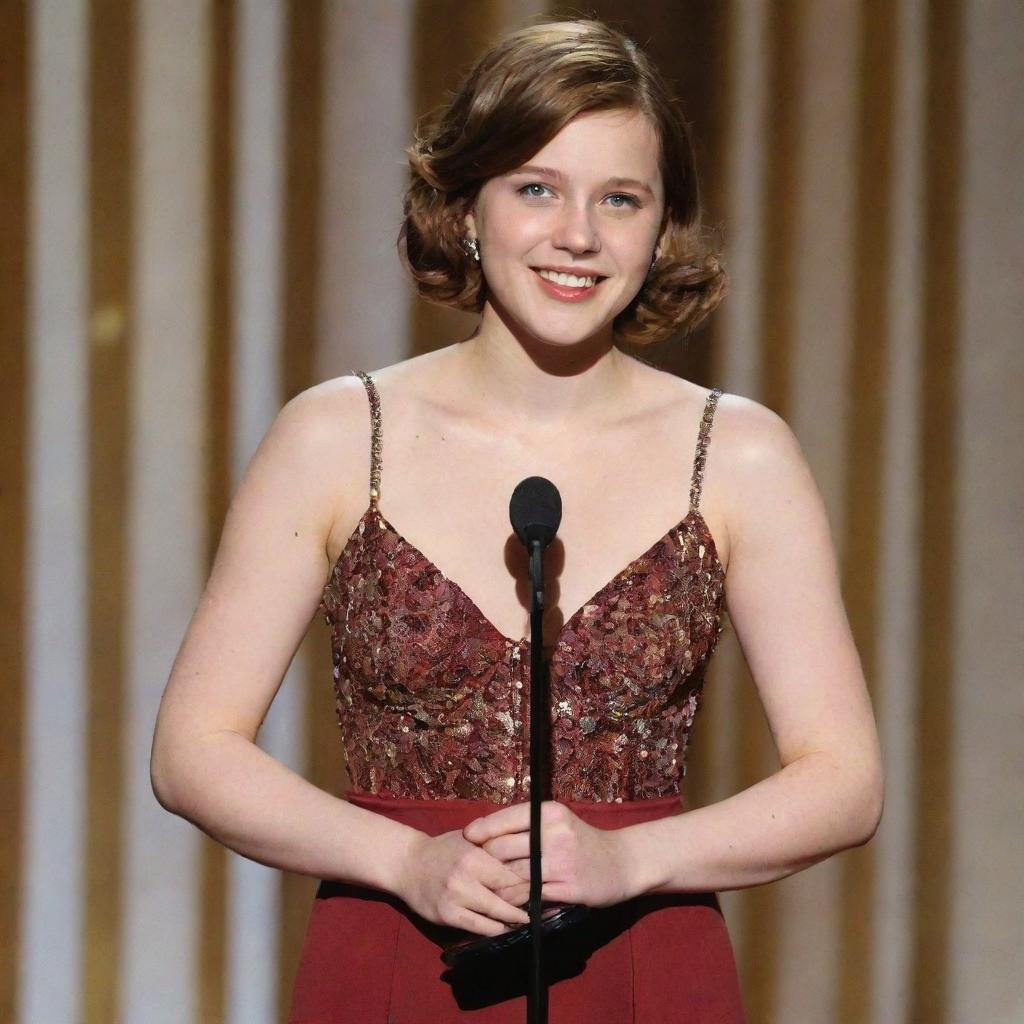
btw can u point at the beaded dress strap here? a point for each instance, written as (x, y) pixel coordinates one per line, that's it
(375, 434)
(700, 457)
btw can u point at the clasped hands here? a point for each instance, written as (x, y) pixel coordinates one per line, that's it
(579, 863)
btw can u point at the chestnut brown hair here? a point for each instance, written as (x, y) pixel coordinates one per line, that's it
(514, 99)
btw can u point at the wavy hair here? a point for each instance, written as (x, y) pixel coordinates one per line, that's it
(514, 99)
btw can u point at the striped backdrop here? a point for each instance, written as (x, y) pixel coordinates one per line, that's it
(200, 202)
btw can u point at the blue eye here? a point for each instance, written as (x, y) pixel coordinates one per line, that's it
(631, 200)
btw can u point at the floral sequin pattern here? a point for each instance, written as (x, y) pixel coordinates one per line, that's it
(421, 685)
(626, 681)
(433, 702)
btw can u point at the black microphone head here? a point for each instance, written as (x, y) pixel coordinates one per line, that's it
(535, 510)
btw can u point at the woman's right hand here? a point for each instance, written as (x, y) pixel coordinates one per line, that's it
(451, 881)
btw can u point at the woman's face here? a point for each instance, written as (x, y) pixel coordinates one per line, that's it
(589, 203)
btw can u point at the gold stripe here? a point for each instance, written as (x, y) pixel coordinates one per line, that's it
(305, 33)
(15, 101)
(111, 45)
(689, 43)
(939, 368)
(211, 948)
(864, 458)
(712, 126)
(479, 24)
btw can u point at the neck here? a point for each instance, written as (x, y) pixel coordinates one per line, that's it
(523, 382)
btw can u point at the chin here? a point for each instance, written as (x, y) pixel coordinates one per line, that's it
(561, 328)
(567, 339)
(569, 331)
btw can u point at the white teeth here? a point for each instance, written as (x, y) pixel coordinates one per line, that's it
(568, 280)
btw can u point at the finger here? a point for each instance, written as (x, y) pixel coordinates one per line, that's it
(500, 876)
(520, 897)
(514, 818)
(521, 868)
(478, 924)
(508, 847)
(522, 900)
(557, 892)
(491, 904)
(550, 892)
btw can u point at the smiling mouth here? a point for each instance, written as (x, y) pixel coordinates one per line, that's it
(580, 282)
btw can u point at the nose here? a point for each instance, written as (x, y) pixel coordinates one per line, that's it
(576, 231)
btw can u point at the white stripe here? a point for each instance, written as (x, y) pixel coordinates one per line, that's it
(56, 705)
(741, 314)
(365, 295)
(253, 902)
(168, 525)
(737, 358)
(895, 692)
(826, 84)
(986, 751)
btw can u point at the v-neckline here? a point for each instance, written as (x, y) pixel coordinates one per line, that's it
(373, 510)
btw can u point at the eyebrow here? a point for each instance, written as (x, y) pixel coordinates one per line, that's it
(550, 172)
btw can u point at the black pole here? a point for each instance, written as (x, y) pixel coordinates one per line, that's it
(537, 1001)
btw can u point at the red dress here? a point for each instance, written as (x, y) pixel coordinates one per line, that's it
(433, 702)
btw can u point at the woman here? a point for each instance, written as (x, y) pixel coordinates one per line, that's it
(556, 195)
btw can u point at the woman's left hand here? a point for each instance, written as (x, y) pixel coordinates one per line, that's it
(579, 863)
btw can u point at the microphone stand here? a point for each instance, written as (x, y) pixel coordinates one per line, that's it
(537, 995)
(535, 512)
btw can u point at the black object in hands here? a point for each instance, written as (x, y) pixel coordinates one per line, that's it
(473, 952)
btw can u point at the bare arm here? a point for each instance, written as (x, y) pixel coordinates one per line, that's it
(262, 593)
(250, 802)
(784, 600)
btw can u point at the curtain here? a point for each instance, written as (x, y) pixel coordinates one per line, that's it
(200, 205)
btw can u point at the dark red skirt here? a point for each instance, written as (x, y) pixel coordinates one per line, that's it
(370, 959)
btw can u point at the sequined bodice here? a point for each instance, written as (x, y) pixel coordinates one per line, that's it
(433, 701)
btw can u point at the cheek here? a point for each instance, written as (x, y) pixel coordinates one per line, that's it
(511, 231)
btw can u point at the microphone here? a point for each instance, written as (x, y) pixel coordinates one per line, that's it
(535, 511)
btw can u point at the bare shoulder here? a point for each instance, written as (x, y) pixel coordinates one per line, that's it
(758, 475)
(324, 422)
(337, 422)
(749, 443)
(752, 438)
(314, 456)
